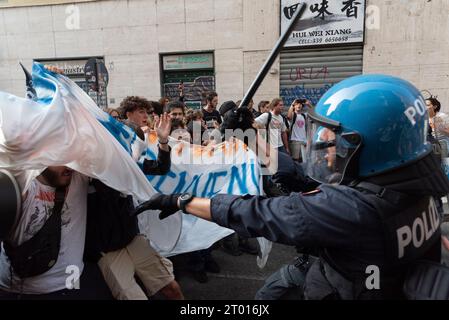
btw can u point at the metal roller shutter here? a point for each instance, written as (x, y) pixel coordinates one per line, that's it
(309, 73)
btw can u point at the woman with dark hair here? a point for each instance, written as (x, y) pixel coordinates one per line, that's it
(439, 121)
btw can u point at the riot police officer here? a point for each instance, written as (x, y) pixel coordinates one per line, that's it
(375, 208)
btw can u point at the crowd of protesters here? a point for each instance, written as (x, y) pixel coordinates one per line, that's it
(117, 248)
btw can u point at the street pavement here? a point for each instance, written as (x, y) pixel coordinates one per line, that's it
(239, 279)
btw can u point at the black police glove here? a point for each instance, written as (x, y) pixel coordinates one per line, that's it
(167, 203)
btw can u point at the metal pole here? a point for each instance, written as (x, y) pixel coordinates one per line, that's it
(272, 57)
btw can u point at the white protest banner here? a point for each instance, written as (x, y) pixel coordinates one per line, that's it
(63, 126)
(229, 168)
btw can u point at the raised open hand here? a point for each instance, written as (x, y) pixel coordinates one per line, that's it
(162, 126)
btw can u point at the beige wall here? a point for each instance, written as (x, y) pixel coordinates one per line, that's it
(413, 43)
(131, 34)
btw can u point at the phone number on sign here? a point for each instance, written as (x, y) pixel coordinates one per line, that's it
(326, 40)
(310, 41)
(336, 39)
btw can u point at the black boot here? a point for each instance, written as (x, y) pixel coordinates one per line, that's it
(231, 245)
(246, 246)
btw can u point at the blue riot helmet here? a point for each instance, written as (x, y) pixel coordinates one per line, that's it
(364, 126)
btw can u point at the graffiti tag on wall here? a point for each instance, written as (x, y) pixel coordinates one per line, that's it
(312, 73)
(314, 94)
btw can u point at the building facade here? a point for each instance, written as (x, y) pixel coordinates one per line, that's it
(149, 47)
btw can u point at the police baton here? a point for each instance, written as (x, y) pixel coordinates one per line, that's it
(270, 60)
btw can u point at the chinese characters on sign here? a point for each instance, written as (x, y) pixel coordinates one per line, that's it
(351, 7)
(321, 9)
(324, 22)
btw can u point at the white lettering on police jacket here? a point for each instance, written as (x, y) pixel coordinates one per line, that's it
(421, 230)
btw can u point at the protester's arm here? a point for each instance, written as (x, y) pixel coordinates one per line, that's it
(162, 126)
(308, 103)
(162, 165)
(290, 112)
(158, 167)
(285, 141)
(261, 121)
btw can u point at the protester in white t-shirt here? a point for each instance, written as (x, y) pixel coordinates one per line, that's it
(37, 207)
(298, 139)
(277, 128)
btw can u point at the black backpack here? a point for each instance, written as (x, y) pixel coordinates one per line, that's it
(10, 202)
(110, 224)
(40, 253)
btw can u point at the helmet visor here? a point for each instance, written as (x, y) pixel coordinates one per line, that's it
(328, 150)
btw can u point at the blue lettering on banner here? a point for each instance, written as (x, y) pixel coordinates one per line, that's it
(253, 176)
(241, 179)
(180, 188)
(181, 182)
(210, 192)
(215, 175)
(195, 181)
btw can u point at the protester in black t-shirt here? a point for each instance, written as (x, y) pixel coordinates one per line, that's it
(210, 113)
